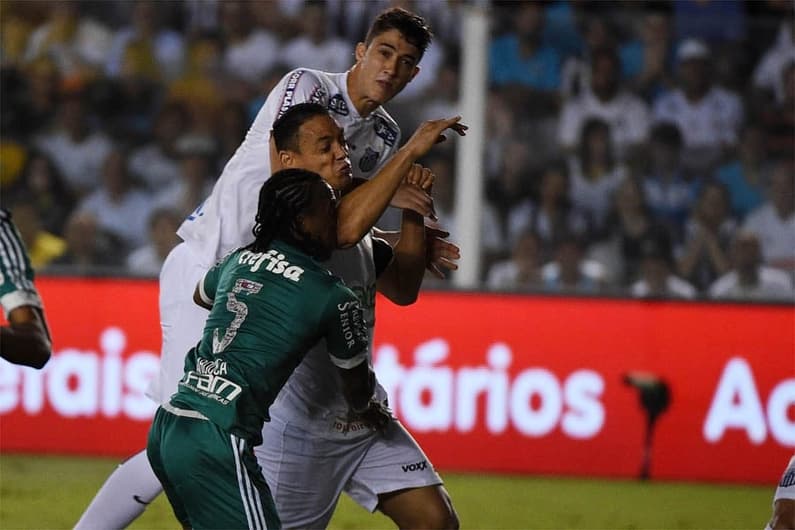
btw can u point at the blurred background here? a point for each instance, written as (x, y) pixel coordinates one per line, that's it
(629, 155)
(631, 148)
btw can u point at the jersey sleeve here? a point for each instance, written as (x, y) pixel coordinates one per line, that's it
(382, 255)
(299, 86)
(208, 285)
(16, 273)
(346, 333)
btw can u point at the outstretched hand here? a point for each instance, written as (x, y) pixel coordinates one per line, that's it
(429, 133)
(439, 253)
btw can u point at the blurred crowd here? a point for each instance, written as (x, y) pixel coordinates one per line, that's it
(633, 147)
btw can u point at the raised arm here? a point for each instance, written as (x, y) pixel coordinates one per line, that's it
(363, 206)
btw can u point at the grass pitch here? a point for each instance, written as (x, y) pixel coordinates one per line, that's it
(48, 492)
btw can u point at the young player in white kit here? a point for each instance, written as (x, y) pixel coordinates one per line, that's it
(384, 64)
(784, 501)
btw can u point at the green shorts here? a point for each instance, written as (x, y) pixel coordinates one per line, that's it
(210, 476)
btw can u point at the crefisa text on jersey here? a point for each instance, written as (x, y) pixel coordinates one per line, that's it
(276, 263)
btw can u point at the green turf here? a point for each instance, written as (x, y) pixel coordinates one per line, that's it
(38, 492)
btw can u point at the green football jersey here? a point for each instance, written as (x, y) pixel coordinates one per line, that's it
(16, 274)
(268, 309)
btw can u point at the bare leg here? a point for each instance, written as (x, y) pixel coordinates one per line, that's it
(428, 507)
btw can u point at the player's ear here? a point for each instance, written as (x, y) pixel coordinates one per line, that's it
(414, 73)
(360, 50)
(286, 159)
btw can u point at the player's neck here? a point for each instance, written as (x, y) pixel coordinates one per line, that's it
(364, 105)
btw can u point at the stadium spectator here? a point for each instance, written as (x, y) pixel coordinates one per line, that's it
(121, 210)
(552, 215)
(709, 21)
(42, 246)
(656, 271)
(88, 249)
(156, 164)
(778, 119)
(628, 224)
(570, 272)
(522, 270)
(147, 260)
(195, 180)
(131, 100)
(647, 61)
(595, 175)
(314, 47)
(521, 61)
(42, 183)
(511, 186)
(166, 46)
(74, 147)
(627, 115)
(78, 45)
(708, 116)
(768, 72)
(233, 123)
(576, 70)
(708, 234)
(668, 192)
(250, 51)
(749, 279)
(25, 339)
(743, 176)
(200, 88)
(32, 106)
(774, 221)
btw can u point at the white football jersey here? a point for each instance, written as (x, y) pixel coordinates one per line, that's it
(225, 219)
(312, 396)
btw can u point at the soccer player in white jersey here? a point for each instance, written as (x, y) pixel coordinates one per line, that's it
(385, 63)
(784, 501)
(312, 433)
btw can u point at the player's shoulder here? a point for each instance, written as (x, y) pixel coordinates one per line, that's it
(339, 293)
(308, 76)
(5, 215)
(385, 127)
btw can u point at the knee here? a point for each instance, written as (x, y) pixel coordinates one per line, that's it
(438, 516)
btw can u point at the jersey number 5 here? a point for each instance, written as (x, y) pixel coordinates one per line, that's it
(239, 308)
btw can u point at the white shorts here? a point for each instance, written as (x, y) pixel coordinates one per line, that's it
(307, 474)
(181, 320)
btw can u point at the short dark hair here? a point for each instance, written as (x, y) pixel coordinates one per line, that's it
(286, 127)
(412, 26)
(282, 200)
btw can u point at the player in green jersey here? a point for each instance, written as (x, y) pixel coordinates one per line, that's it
(26, 340)
(269, 303)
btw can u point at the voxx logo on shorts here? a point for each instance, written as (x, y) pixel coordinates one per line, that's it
(417, 466)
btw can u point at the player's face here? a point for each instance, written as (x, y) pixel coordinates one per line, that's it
(319, 224)
(322, 149)
(386, 65)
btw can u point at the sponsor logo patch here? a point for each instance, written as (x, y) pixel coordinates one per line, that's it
(368, 160)
(417, 466)
(337, 104)
(385, 130)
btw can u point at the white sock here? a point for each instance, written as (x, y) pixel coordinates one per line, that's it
(123, 497)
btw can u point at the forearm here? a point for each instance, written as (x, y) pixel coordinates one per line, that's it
(26, 344)
(359, 209)
(402, 280)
